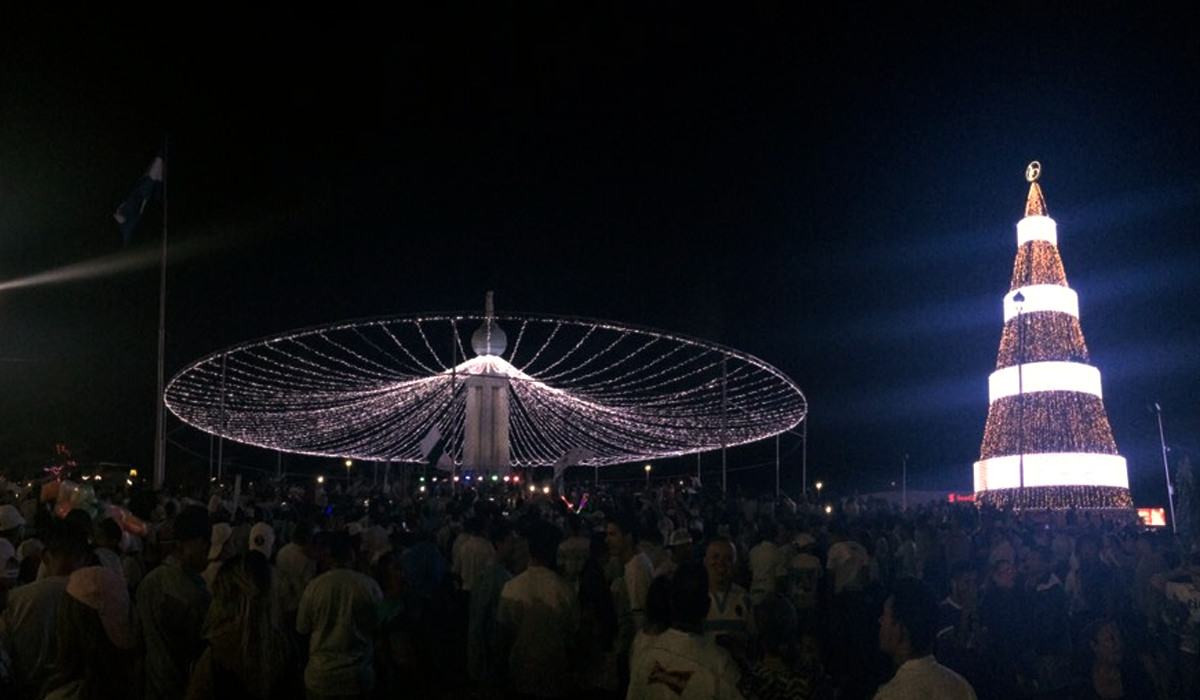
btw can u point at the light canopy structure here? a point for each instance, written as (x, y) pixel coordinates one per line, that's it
(1047, 442)
(547, 390)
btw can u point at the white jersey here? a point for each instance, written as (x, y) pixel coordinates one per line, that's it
(927, 679)
(728, 613)
(677, 665)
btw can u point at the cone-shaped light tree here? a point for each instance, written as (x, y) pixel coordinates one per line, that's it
(1047, 442)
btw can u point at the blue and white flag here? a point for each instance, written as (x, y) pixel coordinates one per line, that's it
(131, 209)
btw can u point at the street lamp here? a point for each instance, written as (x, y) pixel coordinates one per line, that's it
(818, 485)
(349, 463)
(648, 467)
(1166, 467)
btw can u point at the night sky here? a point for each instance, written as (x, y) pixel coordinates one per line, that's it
(836, 195)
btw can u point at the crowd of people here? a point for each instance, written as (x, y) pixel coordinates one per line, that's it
(604, 593)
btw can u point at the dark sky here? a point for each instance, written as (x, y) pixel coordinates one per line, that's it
(836, 195)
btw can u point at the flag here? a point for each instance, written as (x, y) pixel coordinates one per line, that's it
(429, 442)
(433, 450)
(570, 458)
(131, 209)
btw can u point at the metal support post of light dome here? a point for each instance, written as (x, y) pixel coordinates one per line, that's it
(804, 459)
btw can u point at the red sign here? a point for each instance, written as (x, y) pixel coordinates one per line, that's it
(1152, 517)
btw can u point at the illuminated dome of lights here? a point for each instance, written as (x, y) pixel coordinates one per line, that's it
(385, 389)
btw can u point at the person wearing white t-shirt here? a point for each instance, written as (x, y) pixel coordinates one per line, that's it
(907, 632)
(474, 554)
(28, 624)
(573, 550)
(730, 619)
(631, 588)
(338, 616)
(295, 568)
(536, 622)
(682, 663)
(765, 565)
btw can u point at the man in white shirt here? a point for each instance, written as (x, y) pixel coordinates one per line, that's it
(907, 630)
(802, 575)
(573, 550)
(764, 561)
(295, 568)
(338, 616)
(630, 590)
(536, 621)
(682, 663)
(637, 571)
(474, 554)
(28, 625)
(730, 613)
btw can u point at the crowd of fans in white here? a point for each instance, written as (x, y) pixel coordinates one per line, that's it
(498, 592)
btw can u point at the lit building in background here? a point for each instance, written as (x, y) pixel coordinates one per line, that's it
(1047, 442)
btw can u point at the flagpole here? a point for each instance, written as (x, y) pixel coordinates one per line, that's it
(160, 407)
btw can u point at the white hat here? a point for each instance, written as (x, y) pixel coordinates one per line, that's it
(679, 537)
(30, 547)
(375, 539)
(10, 517)
(262, 539)
(101, 589)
